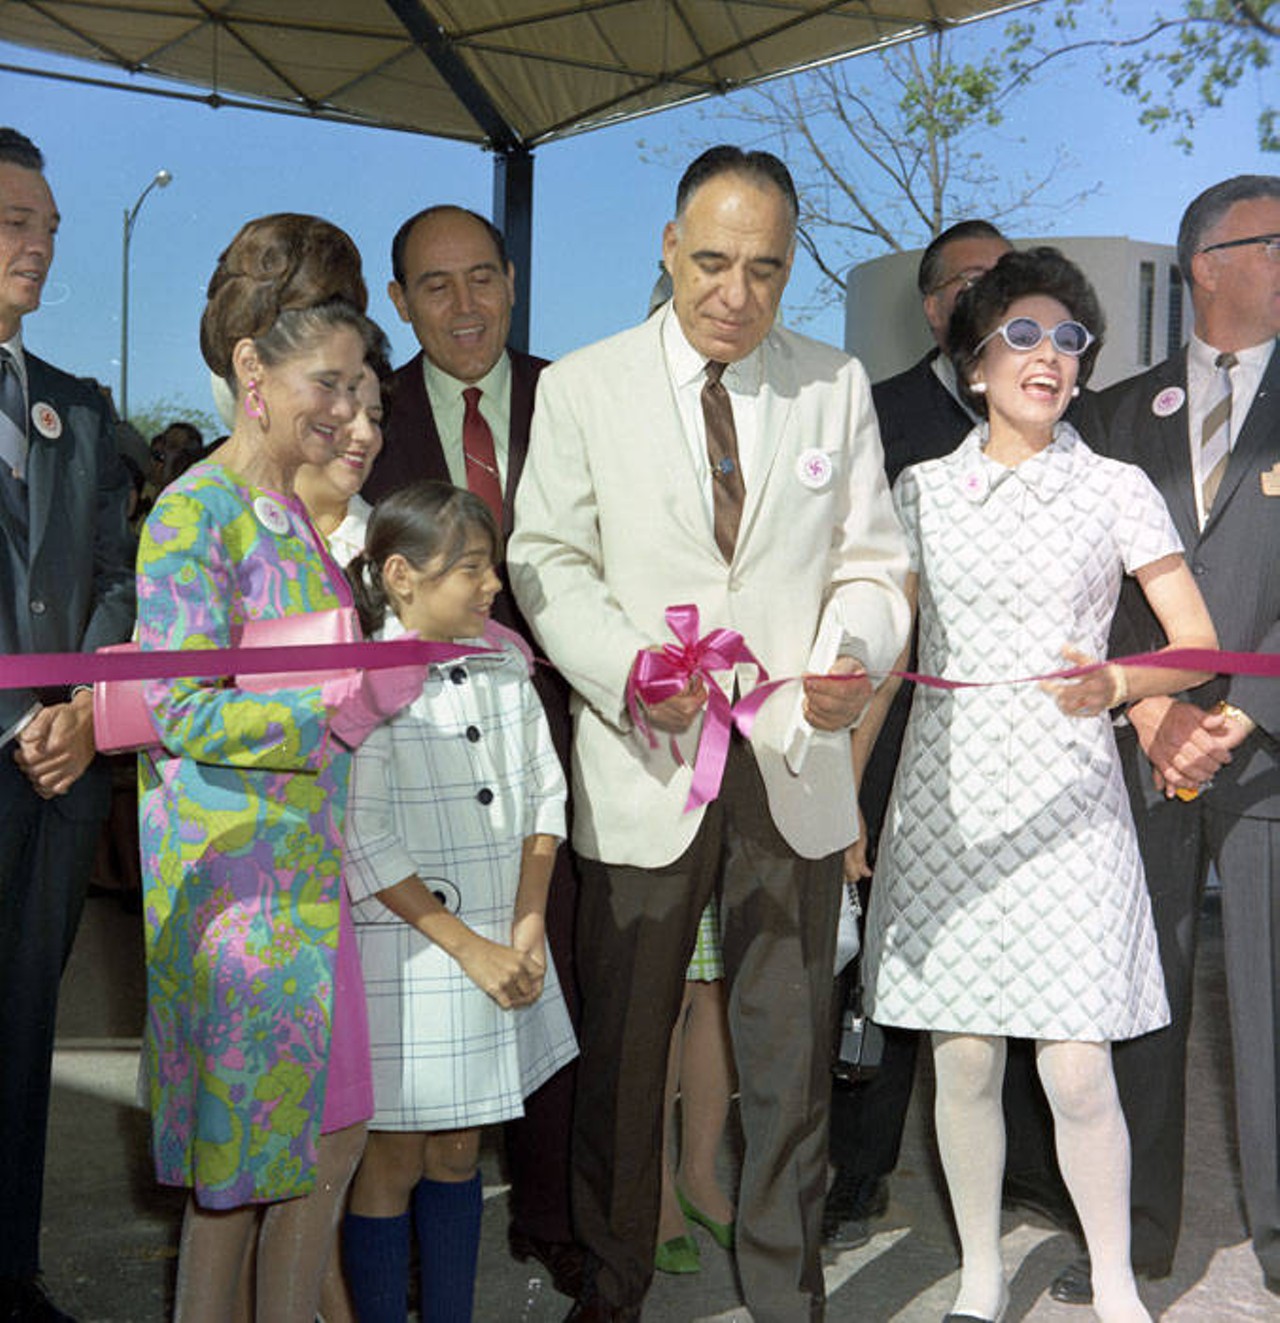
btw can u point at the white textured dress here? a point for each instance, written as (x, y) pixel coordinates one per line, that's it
(1009, 897)
(449, 789)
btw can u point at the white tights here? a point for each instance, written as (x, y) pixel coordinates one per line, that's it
(290, 1242)
(1093, 1153)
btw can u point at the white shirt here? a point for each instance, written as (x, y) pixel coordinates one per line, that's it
(347, 540)
(945, 370)
(448, 408)
(1202, 374)
(14, 346)
(742, 380)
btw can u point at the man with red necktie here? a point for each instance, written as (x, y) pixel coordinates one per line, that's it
(459, 411)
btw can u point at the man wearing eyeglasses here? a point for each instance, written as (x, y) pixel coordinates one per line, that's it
(1205, 425)
(922, 417)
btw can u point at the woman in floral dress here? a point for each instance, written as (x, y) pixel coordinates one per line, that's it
(256, 1039)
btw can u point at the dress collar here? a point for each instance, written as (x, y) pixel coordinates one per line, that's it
(1046, 474)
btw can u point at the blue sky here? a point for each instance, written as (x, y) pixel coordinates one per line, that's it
(600, 201)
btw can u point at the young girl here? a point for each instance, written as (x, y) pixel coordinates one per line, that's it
(457, 812)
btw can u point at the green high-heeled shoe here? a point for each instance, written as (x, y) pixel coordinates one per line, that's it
(721, 1232)
(678, 1255)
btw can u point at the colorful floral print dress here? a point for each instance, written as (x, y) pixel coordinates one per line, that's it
(241, 823)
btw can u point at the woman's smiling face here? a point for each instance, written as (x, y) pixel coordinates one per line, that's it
(1027, 390)
(311, 397)
(360, 443)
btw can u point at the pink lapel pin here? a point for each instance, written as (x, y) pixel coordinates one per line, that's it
(46, 420)
(1169, 401)
(814, 469)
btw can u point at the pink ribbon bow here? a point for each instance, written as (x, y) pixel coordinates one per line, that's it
(657, 676)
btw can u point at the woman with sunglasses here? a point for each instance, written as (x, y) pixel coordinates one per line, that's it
(1009, 898)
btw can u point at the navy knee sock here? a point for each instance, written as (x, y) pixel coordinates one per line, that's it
(447, 1215)
(375, 1258)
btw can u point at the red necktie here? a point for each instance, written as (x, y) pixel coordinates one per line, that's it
(483, 477)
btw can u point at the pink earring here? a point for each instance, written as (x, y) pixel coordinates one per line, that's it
(254, 406)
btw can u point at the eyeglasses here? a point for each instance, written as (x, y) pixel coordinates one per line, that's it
(1271, 242)
(1024, 333)
(967, 278)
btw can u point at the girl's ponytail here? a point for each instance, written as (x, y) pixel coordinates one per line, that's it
(370, 595)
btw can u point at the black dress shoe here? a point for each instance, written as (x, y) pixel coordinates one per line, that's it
(561, 1258)
(852, 1202)
(1043, 1201)
(24, 1300)
(596, 1311)
(1074, 1284)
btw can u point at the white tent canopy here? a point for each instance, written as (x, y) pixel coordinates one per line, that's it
(508, 75)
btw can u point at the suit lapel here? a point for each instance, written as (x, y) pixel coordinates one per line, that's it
(667, 459)
(1166, 449)
(524, 380)
(1259, 430)
(778, 394)
(43, 467)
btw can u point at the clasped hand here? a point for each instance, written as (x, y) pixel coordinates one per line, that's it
(1185, 744)
(512, 976)
(56, 746)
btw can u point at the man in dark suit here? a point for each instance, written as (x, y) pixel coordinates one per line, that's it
(459, 411)
(1218, 467)
(68, 587)
(921, 417)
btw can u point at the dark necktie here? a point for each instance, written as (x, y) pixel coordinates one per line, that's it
(481, 458)
(13, 417)
(1215, 434)
(727, 488)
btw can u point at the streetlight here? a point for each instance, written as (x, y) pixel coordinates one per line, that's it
(161, 180)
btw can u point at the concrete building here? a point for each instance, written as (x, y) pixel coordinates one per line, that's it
(1139, 284)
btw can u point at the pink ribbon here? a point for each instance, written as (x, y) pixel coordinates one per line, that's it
(34, 670)
(1264, 664)
(660, 675)
(656, 676)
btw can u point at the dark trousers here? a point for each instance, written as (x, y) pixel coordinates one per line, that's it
(1151, 1070)
(538, 1145)
(1247, 854)
(45, 856)
(636, 933)
(1179, 843)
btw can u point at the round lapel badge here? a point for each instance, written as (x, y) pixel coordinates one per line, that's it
(1169, 401)
(814, 469)
(271, 516)
(46, 420)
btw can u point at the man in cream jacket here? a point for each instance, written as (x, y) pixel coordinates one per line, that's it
(618, 518)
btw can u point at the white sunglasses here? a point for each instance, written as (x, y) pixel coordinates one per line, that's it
(1024, 333)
